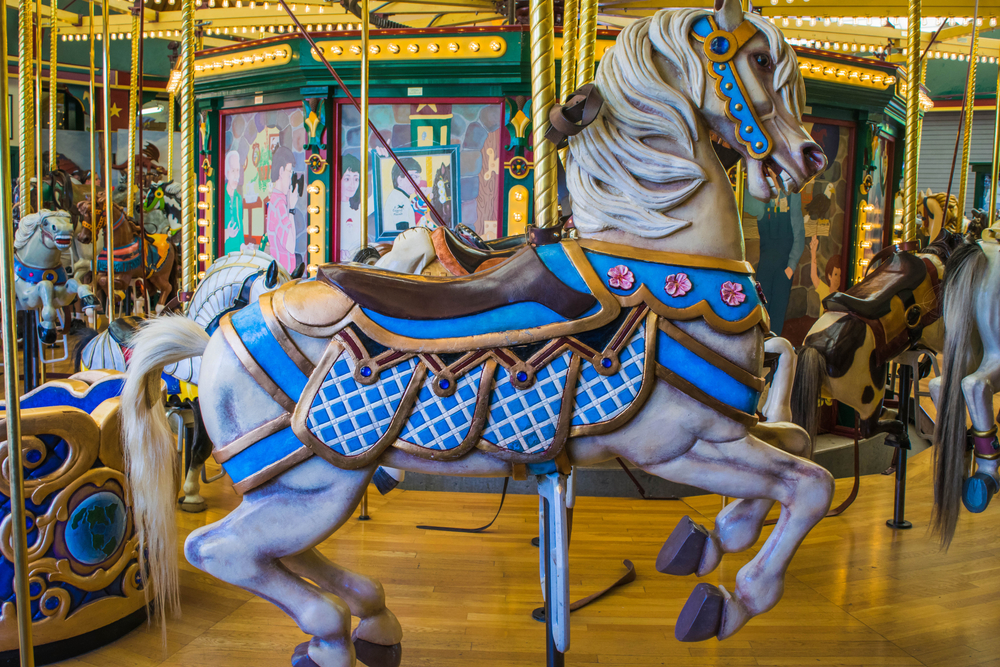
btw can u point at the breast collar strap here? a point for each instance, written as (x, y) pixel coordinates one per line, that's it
(721, 47)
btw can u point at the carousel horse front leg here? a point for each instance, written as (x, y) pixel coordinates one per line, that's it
(90, 303)
(48, 314)
(978, 389)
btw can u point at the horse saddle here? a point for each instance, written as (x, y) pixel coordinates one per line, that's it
(461, 259)
(871, 298)
(523, 279)
(124, 329)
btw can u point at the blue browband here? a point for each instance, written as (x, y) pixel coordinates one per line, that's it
(721, 47)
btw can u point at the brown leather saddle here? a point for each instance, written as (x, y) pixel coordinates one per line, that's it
(898, 276)
(522, 278)
(461, 259)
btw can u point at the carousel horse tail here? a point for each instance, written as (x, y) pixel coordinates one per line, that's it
(809, 374)
(150, 456)
(965, 270)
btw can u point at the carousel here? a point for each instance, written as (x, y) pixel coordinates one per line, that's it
(697, 306)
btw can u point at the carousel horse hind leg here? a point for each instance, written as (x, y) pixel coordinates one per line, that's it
(201, 449)
(288, 517)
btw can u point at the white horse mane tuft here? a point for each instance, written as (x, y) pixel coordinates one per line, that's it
(617, 179)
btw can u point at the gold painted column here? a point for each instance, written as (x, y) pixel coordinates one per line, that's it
(106, 171)
(970, 104)
(8, 315)
(543, 95)
(571, 23)
(26, 110)
(912, 124)
(996, 153)
(38, 106)
(365, 131)
(133, 114)
(53, 84)
(189, 226)
(587, 42)
(92, 89)
(170, 137)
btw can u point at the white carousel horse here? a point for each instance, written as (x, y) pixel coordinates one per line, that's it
(305, 393)
(970, 376)
(40, 281)
(230, 283)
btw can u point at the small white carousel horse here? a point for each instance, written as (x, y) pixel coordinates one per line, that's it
(230, 283)
(970, 376)
(40, 281)
(643, 340)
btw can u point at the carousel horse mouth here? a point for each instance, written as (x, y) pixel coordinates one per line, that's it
(778, 179)
(62, 241)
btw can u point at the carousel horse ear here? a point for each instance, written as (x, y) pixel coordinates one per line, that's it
(728, 14)
(271, 277)
(299, 271)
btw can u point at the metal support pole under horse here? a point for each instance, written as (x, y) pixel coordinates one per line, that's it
(108, 192)
(8, 322)
(53, 84)
(903, 447)
(992, 203)
(363, 206)
(26, 104)
(189, 226)
(912, 126)
(970, 103)
(543, 95)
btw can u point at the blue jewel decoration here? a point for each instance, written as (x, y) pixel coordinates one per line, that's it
(52, 603)
(606, 363)
(522, 376)
(366, 372)
(444, 384)
(35, 588)
(719, 45)
(34, 456)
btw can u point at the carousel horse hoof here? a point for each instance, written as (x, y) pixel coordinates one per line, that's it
(701, 617)
(376, 655)
(300, 657)
(384, 482)
(977, 492)
(91, 301)
(46, 334)
(681, 553)
(192, 507)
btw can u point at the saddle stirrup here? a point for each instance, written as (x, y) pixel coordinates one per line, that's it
(553, 555)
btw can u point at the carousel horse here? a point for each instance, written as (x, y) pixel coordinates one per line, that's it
(40, 281)
(157, 265)
(166, 197)
(230, 283)
(642, 340)
(970, 376)
(895, 308)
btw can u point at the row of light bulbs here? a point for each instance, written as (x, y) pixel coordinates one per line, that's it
(872, 48)
(394, 48)
(244, 60)
(281, 29)
(825, 70)
(927, 23)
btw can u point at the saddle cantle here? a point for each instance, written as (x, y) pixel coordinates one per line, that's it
(871, 298)
(522, 279)
(462, 259)
(124, 329)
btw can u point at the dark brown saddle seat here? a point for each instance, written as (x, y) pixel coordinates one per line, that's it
(124, 329)
(523, 278)
(871, 298)
(451, 250)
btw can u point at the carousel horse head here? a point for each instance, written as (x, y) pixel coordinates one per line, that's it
(54, 230)
(669, 81)
(85, 233)
(939, 211)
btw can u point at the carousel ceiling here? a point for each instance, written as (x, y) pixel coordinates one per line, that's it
(845, 26)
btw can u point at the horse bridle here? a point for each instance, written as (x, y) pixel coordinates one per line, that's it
(721, 46)
(242, 300)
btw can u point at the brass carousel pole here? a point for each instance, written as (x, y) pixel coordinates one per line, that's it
(996, 153)
(25, 90)
(38, 103)
(543, 95)
(571, 24)
(133, 102)
(912, 123)
(970, 103)
(170, 137)
(108, 190)
(363, 205)
(93, 154)
(53, 85)
(8, 318)
(189, 227)
(586, 44)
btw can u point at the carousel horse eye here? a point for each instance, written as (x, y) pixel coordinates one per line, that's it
(763, 60)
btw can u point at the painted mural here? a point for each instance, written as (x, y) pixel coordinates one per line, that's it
(264, 181)
(452, 153)
(795, 242)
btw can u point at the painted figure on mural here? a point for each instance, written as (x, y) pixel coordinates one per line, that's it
(350, 206)
(399, 202)
(280, 222)
(442, 193)
(782, 240)
(831, 280)
(233, 214)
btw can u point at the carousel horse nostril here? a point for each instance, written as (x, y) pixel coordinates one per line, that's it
(815, 159)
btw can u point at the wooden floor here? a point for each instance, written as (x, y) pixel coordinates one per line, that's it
(857, 593)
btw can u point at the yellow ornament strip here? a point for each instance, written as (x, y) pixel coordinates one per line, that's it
(270, 56)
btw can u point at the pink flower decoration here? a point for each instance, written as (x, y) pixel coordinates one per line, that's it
(732, 293)
(620, 277)
(678, 284)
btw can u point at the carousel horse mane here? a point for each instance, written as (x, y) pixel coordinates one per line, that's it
(28, 225)
(221, 286)
(640, 105)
